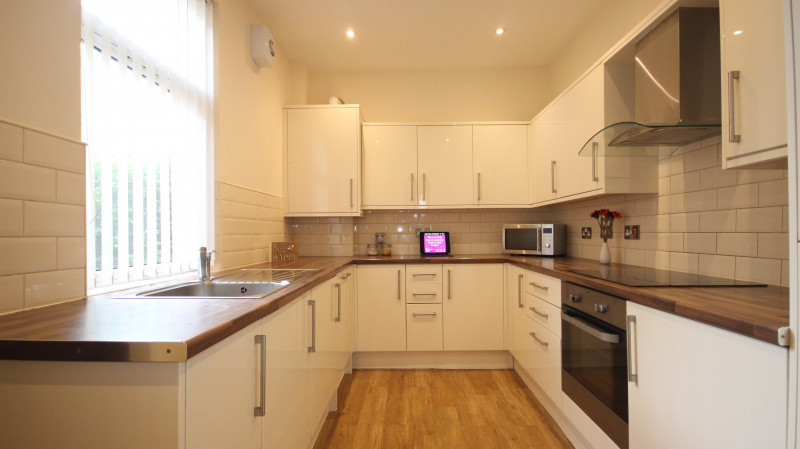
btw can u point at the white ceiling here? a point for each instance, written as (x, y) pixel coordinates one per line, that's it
(424, 34)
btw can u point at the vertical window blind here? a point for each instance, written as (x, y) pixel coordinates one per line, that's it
(146, 119)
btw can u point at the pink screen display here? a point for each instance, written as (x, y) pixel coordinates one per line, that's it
(435, 243)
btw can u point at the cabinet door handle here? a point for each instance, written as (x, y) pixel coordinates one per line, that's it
(345, 276)
(424, 274)
(261, 410)
(313, 347)
(519, 291)
(424, 294)
(449, 292)
(540, 341)
(553, 176)
(424, 314)
(543, 315)
(543, 287)
(479, 186)
(351, 192)
(595, 147)
(412, 187)
(423, 187)
(733, 76)
(633, 361)
(338, 303)
(398, 286)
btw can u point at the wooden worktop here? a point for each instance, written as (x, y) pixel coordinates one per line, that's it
(106, 328)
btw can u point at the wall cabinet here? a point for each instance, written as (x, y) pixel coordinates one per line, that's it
(381, 308)
(700, 386)
(440, 166)
(753, 84)
(557, 134)
(473, 307)
(323, 160)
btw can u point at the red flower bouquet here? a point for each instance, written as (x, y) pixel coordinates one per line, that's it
(605, 218)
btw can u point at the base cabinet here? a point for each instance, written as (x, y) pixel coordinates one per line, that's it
(700, 386)
(473, 307)
(381, 308)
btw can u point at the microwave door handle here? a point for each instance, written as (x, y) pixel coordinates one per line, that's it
(540, 248)
(591, 330)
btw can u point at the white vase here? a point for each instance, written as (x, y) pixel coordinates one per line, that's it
(605, 254)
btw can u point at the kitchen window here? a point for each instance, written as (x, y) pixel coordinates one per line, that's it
(146, 119)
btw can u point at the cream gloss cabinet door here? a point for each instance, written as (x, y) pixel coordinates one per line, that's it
(515, 305)
(323, 153)
(473, 307)
(444, 165)
(500, 161)
(543, 165)
(753, 83)
(381, 308)
(223, 391)
(289, 420)
(701, 386)
(329, 340)
(390, 165)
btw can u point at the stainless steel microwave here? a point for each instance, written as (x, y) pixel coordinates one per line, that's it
(535, 239)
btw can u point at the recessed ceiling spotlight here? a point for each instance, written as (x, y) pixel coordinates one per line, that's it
(351, 34)
(499, 31)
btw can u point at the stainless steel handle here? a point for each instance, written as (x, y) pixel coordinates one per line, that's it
(553, 176)
(543, 287)
(479, 186)
(338, 303)
(261, 410)
(398, 286)
(630, 324)
(424, 294)
(449, 293)
(424, 314)
(345, 276)
(351, 192)
(423, 187)
(733, 75)
(543, 315)
(423, 274)
(519, 291)
(590, 329)
(412, 187)
(313, 347)
(540, 341)
(595, 147)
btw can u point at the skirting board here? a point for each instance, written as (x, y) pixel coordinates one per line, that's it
(433, 360)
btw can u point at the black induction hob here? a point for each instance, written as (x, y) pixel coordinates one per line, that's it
(634, 276)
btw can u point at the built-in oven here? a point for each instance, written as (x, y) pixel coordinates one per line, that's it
(594, 362)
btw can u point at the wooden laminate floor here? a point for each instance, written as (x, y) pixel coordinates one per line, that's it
(437, 409)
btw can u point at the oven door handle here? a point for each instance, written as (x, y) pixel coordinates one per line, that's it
(591, 330)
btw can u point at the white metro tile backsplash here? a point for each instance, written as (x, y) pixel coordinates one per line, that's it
(729, 223)
(42, 219)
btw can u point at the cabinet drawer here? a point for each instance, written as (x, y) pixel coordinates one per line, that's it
(543, 313)
(544, 287)
(423, 293)
(544, 362)
(424, 327)
(424, 274)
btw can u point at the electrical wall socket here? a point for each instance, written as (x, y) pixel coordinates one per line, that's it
(418, 230)
(586, 233)
(631, 232)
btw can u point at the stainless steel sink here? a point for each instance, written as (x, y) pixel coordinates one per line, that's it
(218, 290)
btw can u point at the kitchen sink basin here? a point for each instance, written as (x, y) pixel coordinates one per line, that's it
(218, 290)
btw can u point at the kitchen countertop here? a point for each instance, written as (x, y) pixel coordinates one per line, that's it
(105, 328)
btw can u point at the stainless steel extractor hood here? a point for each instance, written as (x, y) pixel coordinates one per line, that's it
(676, 88)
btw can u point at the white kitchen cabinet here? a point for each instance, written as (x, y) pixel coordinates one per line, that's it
(559, 132)
(753, 84)
(323, 160)
(381, 308)
(701, 386)
(390, 166)
(424, 327)
(473, 307)
(500, 161)
(444, 165)
(348, 279)
(213, 419)
(329, 341)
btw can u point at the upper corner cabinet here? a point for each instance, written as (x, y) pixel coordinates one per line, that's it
(323, 147)
(753, 84)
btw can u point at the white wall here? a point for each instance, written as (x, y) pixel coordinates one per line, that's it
(436, 96)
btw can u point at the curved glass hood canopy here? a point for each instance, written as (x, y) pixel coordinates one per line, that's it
(646, 139)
